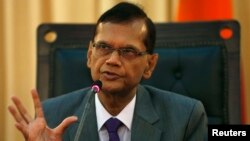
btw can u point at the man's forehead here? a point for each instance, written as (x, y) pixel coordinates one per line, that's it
(136, 24)
(124, 34)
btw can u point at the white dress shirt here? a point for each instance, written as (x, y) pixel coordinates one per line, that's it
(125, 116)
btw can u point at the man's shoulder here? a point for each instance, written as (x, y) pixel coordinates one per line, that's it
(178, 107)
(67, 99)
(178, 114)
(170, 98)
(165, 93)
(63, 106)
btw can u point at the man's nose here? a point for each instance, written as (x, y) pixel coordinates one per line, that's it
(114, 58)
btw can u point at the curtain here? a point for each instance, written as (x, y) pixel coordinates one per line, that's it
(241, 13)
(203, 10)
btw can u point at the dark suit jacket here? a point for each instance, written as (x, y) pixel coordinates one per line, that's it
(159, 116)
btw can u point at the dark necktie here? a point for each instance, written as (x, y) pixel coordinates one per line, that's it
(112, 126)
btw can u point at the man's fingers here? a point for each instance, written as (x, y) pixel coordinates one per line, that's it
(22, 129)
(14, 113)
(24, 122)
(19, 119)
(65, 123)
(37, 103)
(21, 124)
(23, 112)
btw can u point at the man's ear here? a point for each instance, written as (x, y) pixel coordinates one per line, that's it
(152, 61)
(89, 54)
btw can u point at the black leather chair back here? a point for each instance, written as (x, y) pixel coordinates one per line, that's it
(194, 60)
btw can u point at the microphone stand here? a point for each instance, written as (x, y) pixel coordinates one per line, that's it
(96, 86)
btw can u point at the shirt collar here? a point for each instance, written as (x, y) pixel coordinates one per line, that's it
(125, 116)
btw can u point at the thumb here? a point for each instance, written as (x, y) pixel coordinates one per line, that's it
(65, 123)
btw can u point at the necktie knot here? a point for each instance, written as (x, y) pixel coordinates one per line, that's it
(112, 126)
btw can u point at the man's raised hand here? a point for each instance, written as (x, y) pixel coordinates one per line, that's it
(36, 129)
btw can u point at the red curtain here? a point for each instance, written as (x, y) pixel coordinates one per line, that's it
(202, 10)
(205, 10)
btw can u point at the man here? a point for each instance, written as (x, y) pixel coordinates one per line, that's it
(120, 55)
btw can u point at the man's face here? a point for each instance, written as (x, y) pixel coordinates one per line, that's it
(118, 71)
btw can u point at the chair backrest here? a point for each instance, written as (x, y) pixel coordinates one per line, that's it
(199, 59)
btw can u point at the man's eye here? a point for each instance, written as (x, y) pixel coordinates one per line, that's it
(103, 46)
(128, 51)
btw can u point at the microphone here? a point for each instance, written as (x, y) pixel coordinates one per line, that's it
(96, 86)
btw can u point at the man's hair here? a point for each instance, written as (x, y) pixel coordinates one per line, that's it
(128, 12)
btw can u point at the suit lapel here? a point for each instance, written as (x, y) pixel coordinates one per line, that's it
(142, 127)
(89, 128)
(144, 118)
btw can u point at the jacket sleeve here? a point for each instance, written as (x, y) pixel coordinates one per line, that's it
(197, 125)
